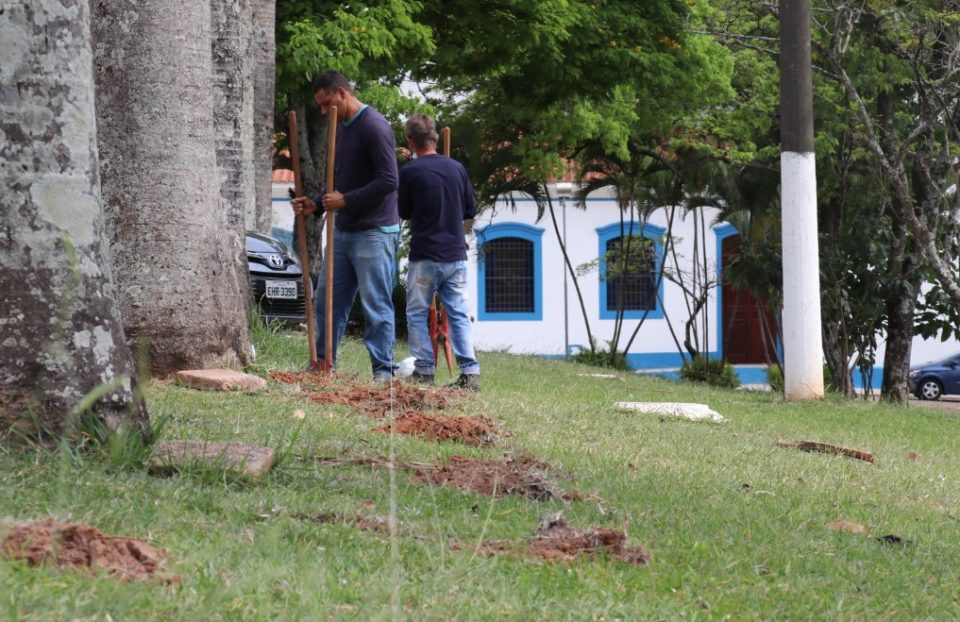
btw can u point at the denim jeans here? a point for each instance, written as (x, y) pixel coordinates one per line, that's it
(449, 280)
(364, 262)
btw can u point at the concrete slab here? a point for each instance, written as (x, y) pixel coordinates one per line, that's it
(249, 460)
(220, 380)
(694, 412)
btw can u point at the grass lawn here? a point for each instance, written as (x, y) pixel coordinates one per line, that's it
(735, 525)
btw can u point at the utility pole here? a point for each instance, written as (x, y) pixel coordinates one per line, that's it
(802, 339)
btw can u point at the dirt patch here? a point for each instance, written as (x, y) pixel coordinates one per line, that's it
(379, 524)
(561, 542)
(477, 431)
(73, 545)
(523, 475)
(377, 401)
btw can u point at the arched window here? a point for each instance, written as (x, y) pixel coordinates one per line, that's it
(509, 281)
(630, 259)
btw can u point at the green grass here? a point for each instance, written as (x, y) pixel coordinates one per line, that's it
(735, 525)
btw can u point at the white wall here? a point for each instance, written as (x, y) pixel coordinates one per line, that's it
(547, 336)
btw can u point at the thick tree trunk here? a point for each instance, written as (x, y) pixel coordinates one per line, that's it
(62, 351)
(233, 115)
(172, 248)
(263, 53)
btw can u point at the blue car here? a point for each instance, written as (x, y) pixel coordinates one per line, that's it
(932, 380)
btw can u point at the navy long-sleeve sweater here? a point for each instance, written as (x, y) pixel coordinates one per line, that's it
(365, 172)
(436, 197)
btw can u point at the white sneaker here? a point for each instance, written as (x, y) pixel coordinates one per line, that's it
(405, 369)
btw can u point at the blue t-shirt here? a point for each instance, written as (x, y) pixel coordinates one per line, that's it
(435, 195)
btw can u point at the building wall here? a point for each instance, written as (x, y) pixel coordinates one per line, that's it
(562, 322)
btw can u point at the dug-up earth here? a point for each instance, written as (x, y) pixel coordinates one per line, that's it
(78, 546)
(407, 403)
(555, 540)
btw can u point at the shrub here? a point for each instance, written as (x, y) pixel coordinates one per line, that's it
(775, 376)
(602, 358)
(714, 372)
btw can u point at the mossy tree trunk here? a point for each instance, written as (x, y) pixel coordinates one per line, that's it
(62, 350)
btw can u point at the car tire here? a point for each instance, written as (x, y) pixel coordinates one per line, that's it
(929, 389)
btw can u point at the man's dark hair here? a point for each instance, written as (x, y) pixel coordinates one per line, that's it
(421, 130)
(331, 80)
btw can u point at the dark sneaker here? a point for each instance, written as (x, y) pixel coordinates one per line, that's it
(418, 378)
(466, 382)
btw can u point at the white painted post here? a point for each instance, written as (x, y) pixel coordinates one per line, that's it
(802, 340)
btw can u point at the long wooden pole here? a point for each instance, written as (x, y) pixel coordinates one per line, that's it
(328, 315)
(446, 141)
(302, 235)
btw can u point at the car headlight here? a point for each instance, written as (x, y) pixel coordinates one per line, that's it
(914, 373)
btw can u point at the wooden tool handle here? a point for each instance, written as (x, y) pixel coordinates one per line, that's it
(302, 239)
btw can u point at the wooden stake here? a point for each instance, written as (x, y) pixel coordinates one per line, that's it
(302, 235)
(328, 315)
(445, 132)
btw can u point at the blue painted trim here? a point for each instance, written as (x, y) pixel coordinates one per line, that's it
(610, 232)
(533, 235)
(280, 199)
(722, 232)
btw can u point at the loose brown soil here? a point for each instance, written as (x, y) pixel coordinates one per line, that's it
(477, 431)
(524, 476)
(73, 545)
(560, 542)
(365, 523)
(375, 401)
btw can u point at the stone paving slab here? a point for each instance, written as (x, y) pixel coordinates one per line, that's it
(220, 380)
(249, 460)
(686, 410)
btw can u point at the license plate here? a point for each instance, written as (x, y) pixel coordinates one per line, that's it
(282, 289)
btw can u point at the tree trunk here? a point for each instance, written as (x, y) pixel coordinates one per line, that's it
(905, 280)
(233, 115)
(837, 356)
(263, 53)
(62, 352)
(172, 248)
(313, 169)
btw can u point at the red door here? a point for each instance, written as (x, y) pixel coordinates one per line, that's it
(743, 330)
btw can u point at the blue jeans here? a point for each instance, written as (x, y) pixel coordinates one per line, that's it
(365, 262)
(449, 280)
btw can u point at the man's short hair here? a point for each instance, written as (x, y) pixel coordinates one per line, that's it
(421, 130)
(331, 80)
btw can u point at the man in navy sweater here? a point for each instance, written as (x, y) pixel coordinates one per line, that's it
(367, 226)
(436, 197)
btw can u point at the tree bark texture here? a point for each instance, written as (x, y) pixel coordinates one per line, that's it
(901, 301)
(233, 114)
(62, 351)
(172, 248)
(312, 137)
(263, 53)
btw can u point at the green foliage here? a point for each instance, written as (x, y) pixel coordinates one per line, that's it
(775, 378)
(715, 372)
(122, 448)
(607, 359)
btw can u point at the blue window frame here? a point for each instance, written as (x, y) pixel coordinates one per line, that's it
(509, 273)
(641, 291)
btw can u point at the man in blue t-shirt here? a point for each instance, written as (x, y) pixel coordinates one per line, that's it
(367, 226)
(435, 195)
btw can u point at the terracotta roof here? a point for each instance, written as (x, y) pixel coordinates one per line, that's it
(282, 176)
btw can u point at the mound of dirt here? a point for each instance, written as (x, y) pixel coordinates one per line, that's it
(561, 542)
(524, 476)
(74, 545)
(375, 401)
(477, 431)
(364, 523)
